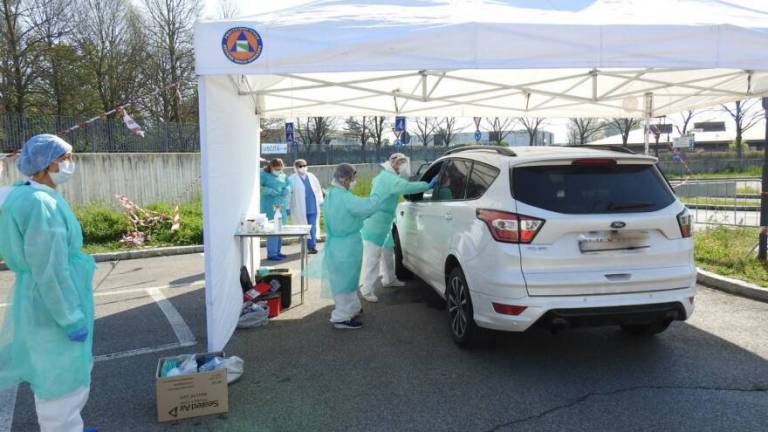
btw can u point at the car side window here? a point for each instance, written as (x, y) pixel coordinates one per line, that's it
(453, 181)
(481, 178)
(428, 175)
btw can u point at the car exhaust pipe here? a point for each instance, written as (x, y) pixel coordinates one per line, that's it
(558, 324)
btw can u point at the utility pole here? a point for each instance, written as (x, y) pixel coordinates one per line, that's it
(762, 252)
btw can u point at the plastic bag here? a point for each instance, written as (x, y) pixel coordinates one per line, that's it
(188, 366)
(234, 366)
(252, 316)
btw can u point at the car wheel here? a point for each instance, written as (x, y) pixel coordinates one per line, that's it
(401, 272)
(460, 312)
(645, 329)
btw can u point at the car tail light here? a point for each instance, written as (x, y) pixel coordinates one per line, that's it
(594, 162)
(510, 227)
(691, 299)
(685, 220)
(509, 309)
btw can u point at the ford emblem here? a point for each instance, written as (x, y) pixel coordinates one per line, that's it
(618, 224)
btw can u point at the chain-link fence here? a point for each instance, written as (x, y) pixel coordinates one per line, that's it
(100, 136)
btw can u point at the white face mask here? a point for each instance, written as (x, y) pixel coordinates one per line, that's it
(65, 173)
(302, 171)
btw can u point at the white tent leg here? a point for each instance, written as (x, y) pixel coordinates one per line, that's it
(648, 109)
(229, 141)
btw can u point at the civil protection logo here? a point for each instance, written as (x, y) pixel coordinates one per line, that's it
(242, 45)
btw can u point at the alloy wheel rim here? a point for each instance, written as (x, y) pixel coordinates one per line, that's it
(457, 307)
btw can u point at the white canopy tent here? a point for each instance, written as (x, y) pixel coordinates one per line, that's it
(578, 58)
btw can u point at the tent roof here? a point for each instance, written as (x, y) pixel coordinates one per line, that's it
(506, 57)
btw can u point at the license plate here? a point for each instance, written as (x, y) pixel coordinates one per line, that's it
(613, 240)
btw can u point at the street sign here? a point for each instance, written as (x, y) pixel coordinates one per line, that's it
(685, 141)
(274, 148)
(289, 133)
(659, 129)
(477, 122)
(398, 134)
(478, 135)
(399, 124)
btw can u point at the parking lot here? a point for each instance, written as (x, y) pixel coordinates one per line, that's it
(403, 372)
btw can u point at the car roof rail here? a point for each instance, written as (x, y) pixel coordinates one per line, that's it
(615, 148)
(506, 151)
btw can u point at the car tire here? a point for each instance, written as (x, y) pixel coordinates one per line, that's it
(461, 321)
(645, 329)
(401, 272)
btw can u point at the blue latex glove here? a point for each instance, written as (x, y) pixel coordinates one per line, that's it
(78, 335)
(433, 182)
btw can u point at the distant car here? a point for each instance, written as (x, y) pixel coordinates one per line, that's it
(555, 236)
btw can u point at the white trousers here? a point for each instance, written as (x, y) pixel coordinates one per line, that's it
(347, 306)
(62, 414)
(377, 261)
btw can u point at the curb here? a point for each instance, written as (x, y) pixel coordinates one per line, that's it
(732, 286)
(163, 252)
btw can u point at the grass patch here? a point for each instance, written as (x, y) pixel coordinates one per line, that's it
(752, 171)
(747, 190)
(727, 251)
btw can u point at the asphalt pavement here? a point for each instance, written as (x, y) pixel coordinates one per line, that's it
(402, 372)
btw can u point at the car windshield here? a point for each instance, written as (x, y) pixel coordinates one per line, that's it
(583, 189)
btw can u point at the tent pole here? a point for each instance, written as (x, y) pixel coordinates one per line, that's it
(648, 103)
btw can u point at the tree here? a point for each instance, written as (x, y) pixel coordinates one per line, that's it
(169, 28)
(272, 130)
(686, 117)
(745, 114)
(20, 51)
(315, 130)
(425, 129)
(359, 130)
(500, 128)
(624, 126)
(447, 131)
(532, 125)
(112, 44)
(228, 9)
(377, 131)
(582, 130)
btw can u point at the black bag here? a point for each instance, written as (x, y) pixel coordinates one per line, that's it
(245, 279)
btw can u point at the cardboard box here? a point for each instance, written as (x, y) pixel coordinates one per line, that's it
(188, 396)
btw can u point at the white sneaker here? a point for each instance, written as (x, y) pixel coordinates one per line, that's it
(394, 283)
(370, 298)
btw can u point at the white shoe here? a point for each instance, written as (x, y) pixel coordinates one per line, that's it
(370, 298)
(394, 283)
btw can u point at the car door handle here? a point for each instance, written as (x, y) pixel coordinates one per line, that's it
(448, 216)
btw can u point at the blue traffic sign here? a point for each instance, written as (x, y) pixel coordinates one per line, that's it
(399, 124)
(478, 135)
(398, 143)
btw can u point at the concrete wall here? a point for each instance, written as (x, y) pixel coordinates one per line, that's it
(147, 178)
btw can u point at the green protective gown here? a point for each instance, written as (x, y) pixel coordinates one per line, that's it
(339, 263)
(41, 242)
(378, 228)
(274, 190)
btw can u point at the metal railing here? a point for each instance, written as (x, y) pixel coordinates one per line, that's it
(715, 201)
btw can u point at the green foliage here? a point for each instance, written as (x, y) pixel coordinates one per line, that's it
(729, 251)
(102, 225)
(363, 187)
(191, 230)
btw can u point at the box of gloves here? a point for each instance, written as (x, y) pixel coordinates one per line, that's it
(192, 385)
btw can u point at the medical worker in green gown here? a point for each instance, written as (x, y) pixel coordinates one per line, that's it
(47, 334)
(342, 255)
(378, 245)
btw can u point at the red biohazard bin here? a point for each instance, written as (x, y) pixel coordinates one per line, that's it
(274, 302)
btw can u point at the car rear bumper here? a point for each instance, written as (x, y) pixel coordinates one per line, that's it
(581, 311)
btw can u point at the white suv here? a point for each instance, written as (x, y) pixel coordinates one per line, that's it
(555, 236)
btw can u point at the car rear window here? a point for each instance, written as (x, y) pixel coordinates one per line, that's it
(576, 189)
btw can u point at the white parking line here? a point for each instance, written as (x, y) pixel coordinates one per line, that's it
(140, 351)
(7, 407)
(180, 327)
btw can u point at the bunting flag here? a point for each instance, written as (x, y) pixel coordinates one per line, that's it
(130, 123)
(176, 220)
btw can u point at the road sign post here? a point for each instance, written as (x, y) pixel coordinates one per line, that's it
(478, 135)
(762, 251)
(289, 138)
